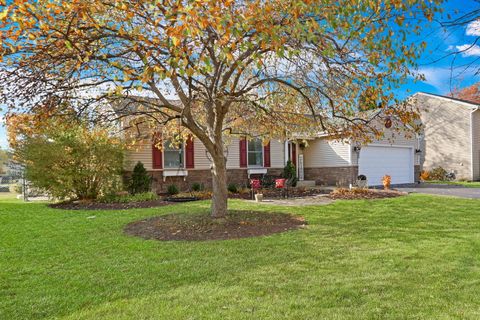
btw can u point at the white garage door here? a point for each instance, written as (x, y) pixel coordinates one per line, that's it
(377, 161)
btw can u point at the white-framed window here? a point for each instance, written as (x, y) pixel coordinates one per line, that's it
(255, 153)
(173, 156)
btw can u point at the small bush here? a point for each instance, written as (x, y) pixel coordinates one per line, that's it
(244, 190)
(268, 181)
(140, 181)
(425, 176)
(16, 188)
(4, 189)
(387, 181)
(438, 174)
(197, 187)
(172, 189)
(290, 173)
(127, 198)
(232, 188)
(202, 195)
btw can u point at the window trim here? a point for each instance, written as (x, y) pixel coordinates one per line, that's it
(262, 152)
(184, 160)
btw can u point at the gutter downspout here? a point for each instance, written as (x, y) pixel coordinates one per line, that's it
(472, 170)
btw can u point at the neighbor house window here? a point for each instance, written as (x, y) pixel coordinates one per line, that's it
(255, 153)
(173, 156)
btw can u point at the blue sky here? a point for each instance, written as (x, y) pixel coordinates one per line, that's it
(435, 64)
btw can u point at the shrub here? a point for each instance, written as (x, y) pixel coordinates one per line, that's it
(197, 187)
(172, 189)
(4, 189)
(232, 188)
(140, 181)
(438, 174)
(126, 198)
(387, 181)
(268, 181)
(290, 173)
(16, 188)
(424, 176)
(202, 195)
(72, 160)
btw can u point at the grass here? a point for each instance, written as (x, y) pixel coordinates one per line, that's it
(468, 184)
(8, 195)
(410, 257)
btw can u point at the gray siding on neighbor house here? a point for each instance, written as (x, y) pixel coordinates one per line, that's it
(447, 137)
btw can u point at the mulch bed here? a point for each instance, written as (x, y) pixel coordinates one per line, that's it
(109, 206)
(356, 194)
(201, 227)
(277, 193)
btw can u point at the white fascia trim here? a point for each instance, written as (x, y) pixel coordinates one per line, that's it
(471, 142)
(350, 156)
(473, 106)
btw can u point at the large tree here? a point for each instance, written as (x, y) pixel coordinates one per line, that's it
(266, 68)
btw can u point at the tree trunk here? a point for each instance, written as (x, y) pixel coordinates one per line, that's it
(220, 193)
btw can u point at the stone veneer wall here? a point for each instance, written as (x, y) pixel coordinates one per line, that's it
(416, 173)
(340, 176)
(236, 176)
(332, 176)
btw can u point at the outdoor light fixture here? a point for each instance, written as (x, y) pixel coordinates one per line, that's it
(357, 148)
(418, 151)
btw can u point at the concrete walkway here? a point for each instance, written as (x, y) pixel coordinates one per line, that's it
(443, 190)
(303, 201)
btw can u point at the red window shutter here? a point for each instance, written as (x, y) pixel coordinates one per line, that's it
(243, 153)
(189, 154)
(266, 155)
(157, 159)
(294, 154)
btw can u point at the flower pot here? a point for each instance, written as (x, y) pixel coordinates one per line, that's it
(259, 197)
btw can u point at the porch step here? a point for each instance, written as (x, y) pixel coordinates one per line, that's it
(306, 183)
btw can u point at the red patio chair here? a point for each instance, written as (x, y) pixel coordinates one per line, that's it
(255, 184)
(281, 184)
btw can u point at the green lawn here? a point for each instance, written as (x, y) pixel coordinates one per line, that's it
(410, 257)
(468, 184)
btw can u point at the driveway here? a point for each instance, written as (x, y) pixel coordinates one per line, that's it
(444, 190)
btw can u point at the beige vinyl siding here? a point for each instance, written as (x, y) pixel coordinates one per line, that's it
(476, 145)
(323, 153)
(142, 153)
(447, 141)
(200, 155)
(277, 154)
(233, 158)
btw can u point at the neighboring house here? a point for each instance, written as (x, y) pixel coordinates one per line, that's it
(319, 161)
(451, 135)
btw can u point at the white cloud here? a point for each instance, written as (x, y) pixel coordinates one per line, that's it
(473, 28)
(437, 77)
(469, 50)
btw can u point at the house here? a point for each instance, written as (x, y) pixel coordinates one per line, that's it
(451, 137)
(318, 160)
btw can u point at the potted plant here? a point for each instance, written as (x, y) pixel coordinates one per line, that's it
(258, 196)
(386, 180)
